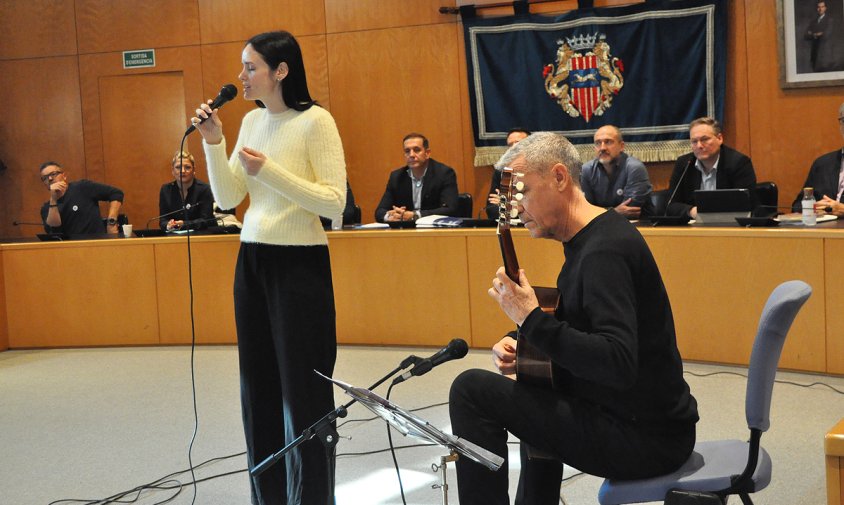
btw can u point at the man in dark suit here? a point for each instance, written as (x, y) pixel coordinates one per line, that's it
(826, 178)
(710, 165)
(819, 35)
(421, 188)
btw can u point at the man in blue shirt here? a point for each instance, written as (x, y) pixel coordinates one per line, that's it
(614, 179)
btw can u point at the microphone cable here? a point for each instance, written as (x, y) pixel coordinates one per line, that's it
(183, 196)
(393, 450)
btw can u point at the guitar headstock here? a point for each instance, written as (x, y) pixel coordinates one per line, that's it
(510, 191)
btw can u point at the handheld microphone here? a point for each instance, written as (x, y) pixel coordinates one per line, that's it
(455, 349)
(226, 95)
(187, 207)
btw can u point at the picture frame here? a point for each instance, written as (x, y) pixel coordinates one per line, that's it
(810, 58)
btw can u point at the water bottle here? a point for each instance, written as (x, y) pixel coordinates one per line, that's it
(809, 217)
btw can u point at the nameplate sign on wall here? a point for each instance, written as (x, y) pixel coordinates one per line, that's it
(139, 59)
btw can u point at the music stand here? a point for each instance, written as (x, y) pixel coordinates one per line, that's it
(410, 424)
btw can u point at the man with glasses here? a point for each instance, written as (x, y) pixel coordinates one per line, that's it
(826, 178)
(185, 192)
(73, 208)
(614, 179)
(710, 165)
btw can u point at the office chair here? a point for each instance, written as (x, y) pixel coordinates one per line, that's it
(767, 196)
(464, 205)
(717, 469)
(659, 199)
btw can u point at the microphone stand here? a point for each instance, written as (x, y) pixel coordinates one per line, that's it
(180, 209)
(323, 428)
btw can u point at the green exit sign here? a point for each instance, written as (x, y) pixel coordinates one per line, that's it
(139, 59)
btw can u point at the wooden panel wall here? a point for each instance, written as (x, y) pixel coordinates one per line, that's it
(383, 68)
(40, 120)
(406, 81)
(4, 319)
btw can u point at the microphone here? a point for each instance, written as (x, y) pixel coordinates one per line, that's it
(187, 207)
(455, 349)
(680, 181)
(673, 220)
(19, 223)
(226, 95)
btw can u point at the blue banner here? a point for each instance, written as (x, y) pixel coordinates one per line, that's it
(649, 69)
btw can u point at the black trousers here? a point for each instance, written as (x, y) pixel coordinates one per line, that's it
(284, 312)
(484, 406)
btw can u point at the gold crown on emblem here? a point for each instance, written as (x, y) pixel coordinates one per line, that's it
(582, 41)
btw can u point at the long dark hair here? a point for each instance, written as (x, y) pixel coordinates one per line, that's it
(281, 46)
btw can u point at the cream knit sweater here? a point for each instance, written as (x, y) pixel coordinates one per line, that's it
(303, 178)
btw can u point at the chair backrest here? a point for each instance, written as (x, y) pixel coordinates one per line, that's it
(659, 199)
(779, 312)
(464, 205)
(767, 193)
(767, 196)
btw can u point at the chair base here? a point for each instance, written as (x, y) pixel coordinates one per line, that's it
(680, 497)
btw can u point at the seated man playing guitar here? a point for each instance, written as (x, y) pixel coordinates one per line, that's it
(618, 406)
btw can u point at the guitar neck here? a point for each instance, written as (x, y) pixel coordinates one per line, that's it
(508, 254)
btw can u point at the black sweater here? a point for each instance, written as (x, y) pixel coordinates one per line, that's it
(612, 337)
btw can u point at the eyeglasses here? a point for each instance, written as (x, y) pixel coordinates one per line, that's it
(51, 175)
(701, 140)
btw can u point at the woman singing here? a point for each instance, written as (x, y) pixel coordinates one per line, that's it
(289, 160)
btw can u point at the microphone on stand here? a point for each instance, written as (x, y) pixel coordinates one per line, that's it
(665, 218)
(455, 349)
(188, 206)
(226, 95)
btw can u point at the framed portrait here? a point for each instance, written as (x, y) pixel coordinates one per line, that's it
(811, 43)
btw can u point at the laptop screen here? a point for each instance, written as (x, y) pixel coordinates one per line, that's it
(723, 200)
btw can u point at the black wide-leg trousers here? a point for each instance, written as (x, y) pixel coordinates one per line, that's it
(484, 406)
(285, 317)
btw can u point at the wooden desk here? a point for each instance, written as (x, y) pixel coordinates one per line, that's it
(834, 449)
(418, 287)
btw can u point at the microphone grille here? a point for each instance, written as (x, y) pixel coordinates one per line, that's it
(228, 92)
(459, 348)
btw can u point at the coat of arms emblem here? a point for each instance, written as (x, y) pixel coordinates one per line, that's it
(584, 84)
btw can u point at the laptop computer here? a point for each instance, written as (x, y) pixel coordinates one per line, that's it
(150, 232)
(722, 205)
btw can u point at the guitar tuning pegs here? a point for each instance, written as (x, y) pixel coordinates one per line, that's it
(519, 185)
(518, 196)
(514, 213)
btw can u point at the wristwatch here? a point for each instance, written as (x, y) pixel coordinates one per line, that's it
(111, 221)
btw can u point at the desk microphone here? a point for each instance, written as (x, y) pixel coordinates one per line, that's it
(19, 223)
(680, 181)
(455, 349)
(665, 218)
(186, 207)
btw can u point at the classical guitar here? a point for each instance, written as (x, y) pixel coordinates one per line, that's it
(531, 365)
